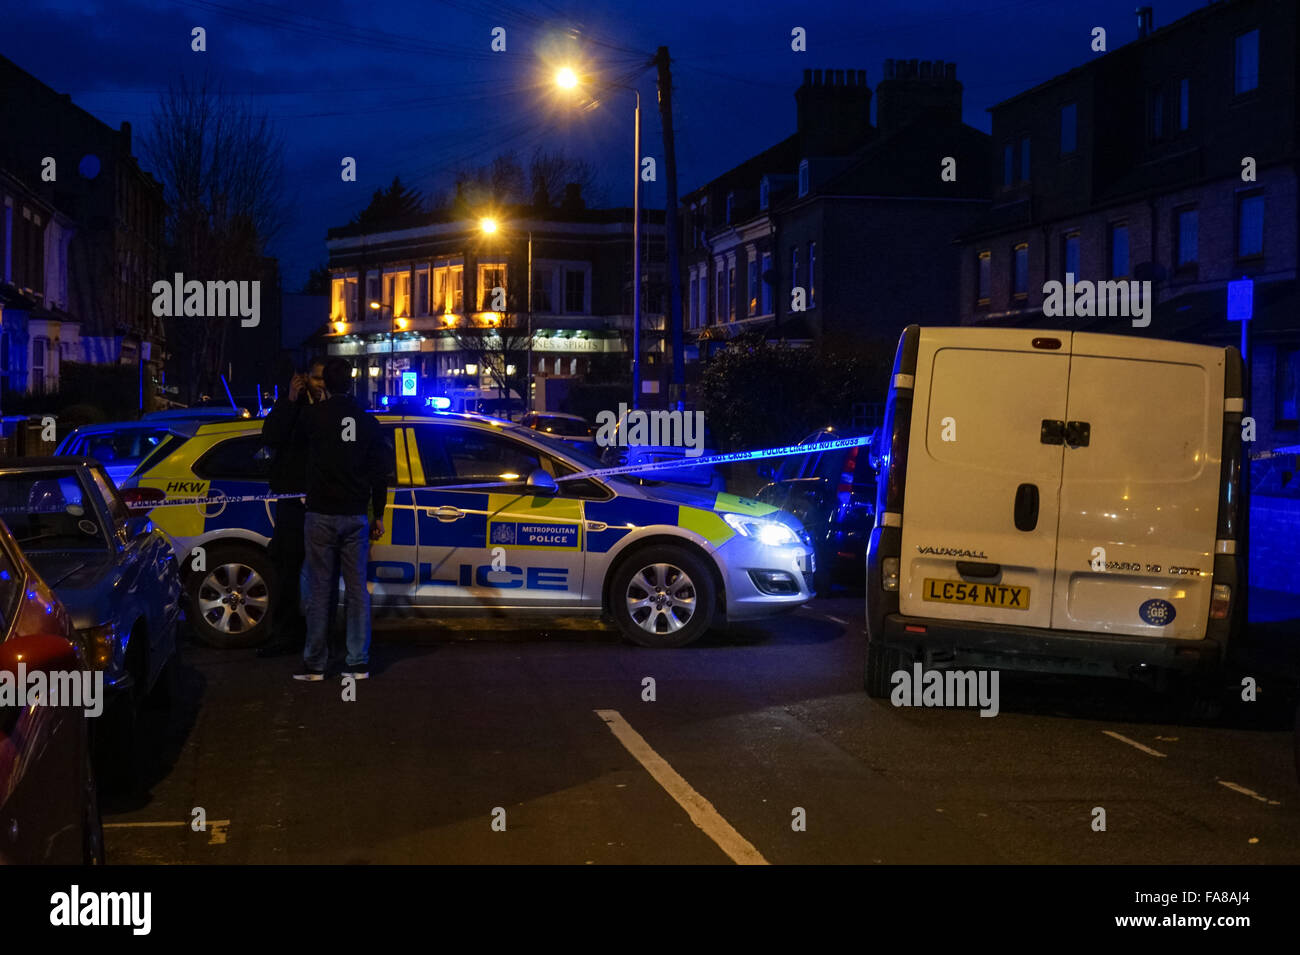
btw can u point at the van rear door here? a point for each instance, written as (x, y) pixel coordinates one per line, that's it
(1140, 480)
(980, 510)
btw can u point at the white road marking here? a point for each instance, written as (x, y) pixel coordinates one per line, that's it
(1132, 742)
(1248, 792)
(216, 828)
(842, 623)
(701, 811)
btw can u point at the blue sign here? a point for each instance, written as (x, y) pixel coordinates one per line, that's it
(1157, 612)
(1241, 300)
(410, 384)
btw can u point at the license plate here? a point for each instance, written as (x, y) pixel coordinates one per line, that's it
(976, 595)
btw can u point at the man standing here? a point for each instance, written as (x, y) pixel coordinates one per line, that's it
(285, 433)
(347, 473)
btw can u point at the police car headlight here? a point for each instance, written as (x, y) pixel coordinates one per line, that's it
(769, 533)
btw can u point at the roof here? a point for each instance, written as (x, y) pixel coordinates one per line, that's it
(778, 158)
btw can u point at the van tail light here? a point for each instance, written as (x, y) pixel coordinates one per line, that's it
(142, 498)
(889, 573)
(1220, 601)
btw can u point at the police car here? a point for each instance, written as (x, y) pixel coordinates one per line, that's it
(666, 562)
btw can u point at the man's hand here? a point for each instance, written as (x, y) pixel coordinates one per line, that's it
(296, 385)
(376, 528)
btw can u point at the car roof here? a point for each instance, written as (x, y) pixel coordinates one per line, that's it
(144, 424)
(253, 425)
(557, 414)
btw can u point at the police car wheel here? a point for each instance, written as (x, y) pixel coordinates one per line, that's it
(663, 597)
(230, 600)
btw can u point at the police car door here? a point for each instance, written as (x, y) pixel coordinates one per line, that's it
(495, 546)
(392, 566)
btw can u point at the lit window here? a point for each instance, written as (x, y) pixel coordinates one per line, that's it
(1246, 62)
(752, 308)
(767, 286)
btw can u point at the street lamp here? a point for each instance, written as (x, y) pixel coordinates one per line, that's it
(490, 226)
(567, 79)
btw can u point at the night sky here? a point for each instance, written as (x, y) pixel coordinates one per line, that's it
(411, 87)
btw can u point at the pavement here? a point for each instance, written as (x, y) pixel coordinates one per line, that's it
(481, 742)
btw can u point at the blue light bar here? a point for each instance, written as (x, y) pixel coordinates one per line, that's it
(438, 403)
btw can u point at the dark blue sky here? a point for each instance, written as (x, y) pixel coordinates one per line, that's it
(411, 87)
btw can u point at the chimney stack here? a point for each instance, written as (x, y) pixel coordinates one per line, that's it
(1145, 21)
(912, 90)
(834, 111)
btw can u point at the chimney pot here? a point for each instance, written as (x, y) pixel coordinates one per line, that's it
(862, 77)
(807, 77)
(817, 77)
(950, 71)
(889, 69)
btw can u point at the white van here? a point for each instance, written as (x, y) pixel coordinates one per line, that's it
(1056, 501)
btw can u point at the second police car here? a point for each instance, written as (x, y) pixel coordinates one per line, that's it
(666, 562)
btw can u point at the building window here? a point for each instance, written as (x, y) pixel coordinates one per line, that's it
(1024, 159)
(39, 347)
(1245, 75)
(731, 290)
(490, 278)
(1185, 238)
(422, 292)
(1119, 266)
(767, 286)
(402, 296)
(543, 300)
(1288, 386)
(390, 282)
(1069, 128)
(803, 178)
(1250, 225)
(1020, 273)
(372, 288)
(764, 193)
(731, 206)
(720, 294)
(1184, 104)
(752, 308)
(456, 293)
(794, 267)
(704, 296)
(812, 274)
(575, 291)
(1157, 115)
(1070, 254)
(1008, 165)
(693, 315)
(983, 276)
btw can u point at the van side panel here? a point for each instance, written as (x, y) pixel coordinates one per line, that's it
(981, 397)
(1145, 488)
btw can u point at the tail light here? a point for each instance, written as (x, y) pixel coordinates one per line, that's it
(142, 498)
(889, 573)
(1220, 601)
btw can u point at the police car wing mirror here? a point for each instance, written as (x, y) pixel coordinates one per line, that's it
(539, 482)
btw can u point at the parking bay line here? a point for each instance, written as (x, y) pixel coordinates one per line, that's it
(1237, 788)
(1132, 742)
(701, 811)
(217, 828)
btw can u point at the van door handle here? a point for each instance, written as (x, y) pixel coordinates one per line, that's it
(446, 514)
(1026, 507)
(1078, 433)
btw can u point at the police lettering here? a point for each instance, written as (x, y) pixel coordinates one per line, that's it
(466, 575)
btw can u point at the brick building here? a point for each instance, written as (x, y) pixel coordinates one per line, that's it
(1173, 159)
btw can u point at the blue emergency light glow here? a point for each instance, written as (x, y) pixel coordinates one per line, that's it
(438, 403)
(410, 384)
(383, 400)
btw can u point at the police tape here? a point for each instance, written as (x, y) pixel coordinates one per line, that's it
(220, 498)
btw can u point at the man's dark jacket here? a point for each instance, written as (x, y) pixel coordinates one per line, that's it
(347, 464)
(285, 432)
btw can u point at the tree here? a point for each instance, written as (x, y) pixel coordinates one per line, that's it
(504, 181)
(221, 166)
(318, 282)
(395, 202)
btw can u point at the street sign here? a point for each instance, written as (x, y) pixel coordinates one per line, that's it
(410, 384)
(1241, 300)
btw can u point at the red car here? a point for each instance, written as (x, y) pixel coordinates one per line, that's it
(49, 807)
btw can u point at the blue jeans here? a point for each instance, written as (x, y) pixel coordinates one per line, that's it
(348, 535)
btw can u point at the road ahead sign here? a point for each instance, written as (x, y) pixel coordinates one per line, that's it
(1241, 300)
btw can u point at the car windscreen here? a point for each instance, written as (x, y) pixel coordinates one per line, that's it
(50, 510)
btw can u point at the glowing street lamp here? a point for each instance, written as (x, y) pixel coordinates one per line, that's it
(567, 79)
(489, 226)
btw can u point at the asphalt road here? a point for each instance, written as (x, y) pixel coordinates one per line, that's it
(550, 733)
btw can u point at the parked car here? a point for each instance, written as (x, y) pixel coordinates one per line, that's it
(568, 428)
(49, 805)
(120, 446)
(624, 452)
(117, 576)
(1058, 501)
(833, 493)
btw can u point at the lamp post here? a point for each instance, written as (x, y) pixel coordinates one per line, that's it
(489, 226)
(392, 322)
(568, 79)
